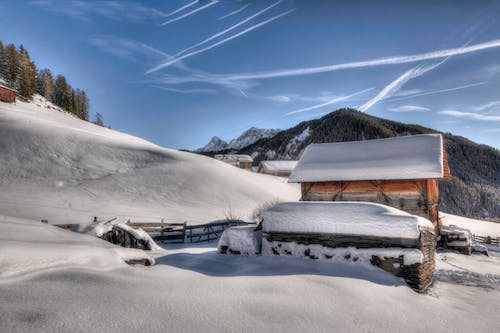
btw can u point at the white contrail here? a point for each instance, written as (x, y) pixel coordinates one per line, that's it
(360, 64)
(395, 85)
(187, 91)
(436, 91)
(191, 12)
(234, 12)
(409, 108)
(223, 41)
(333, 101)
(182, 8)
(469, 115)
(227, 30)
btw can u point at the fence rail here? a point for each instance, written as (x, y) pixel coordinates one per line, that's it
(180, 232)
(486, 239)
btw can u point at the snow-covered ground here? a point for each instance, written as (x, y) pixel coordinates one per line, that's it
(477, 227)
(193, 288)
(57, 167)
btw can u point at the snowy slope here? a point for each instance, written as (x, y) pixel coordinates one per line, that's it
(477, 227)
(57, 167)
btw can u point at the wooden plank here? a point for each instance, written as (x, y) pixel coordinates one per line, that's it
(340, 240)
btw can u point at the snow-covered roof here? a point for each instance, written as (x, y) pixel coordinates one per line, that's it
(278, 166)
(345, 218)
(404, 157)
(9, 88)
(233, 157)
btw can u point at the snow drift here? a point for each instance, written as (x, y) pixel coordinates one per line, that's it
(348, 218)
(57, 167)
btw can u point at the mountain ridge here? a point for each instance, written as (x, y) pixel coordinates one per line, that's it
(247, 138)
(474, 190)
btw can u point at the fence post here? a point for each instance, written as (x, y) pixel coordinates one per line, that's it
(488, 240)
(184, 232)
(161, 227)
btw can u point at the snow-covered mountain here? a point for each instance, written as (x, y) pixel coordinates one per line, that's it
(55, 166)
(248, 137)
(215, 144)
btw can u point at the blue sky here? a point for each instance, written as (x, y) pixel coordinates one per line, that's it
(178, 72)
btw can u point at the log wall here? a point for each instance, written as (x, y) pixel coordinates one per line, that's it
(418, 276)
(418, 197)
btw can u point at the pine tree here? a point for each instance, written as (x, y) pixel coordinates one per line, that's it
(27, 79)
(83, 104)
(45, 84)
(98, 119)
(11, 66)
(62, 93)
(3, 70)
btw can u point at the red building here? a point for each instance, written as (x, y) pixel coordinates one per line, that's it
(7, 95)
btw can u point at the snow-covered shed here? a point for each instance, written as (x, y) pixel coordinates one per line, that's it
(7, 94)
(394, 240)
(277, 168)
(402, 172)
(237, 160)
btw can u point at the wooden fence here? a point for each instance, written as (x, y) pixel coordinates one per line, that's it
(486, 239)
(161, 231)
(180, 232)
(209, 231)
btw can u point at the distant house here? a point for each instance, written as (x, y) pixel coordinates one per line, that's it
(277, 168)
(7, 94)
(237, 160)
(402, 172)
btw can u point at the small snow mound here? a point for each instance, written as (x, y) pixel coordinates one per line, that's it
(100, 228)
(240, 240)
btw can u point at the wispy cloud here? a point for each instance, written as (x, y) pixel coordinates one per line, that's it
(116, 10)
(187, 91)
(432, 92)
(489, 107)
(182, 8)
(491, 130)
(214, 78)
(409, 108)
(132, 50)
(242, 8)
(333, 101)
(395, 85)
(223, 41)
(220, 33)
(470, 115)
(183, 16)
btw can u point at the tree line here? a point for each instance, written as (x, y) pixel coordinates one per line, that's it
(20, 73)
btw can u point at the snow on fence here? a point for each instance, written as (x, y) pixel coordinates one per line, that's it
(180, 232)
(486, 239)
(162, 231)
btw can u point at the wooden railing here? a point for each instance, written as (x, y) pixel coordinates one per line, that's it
(209, 231)
(177, 232)
(161, 231)
(180, 232)
(486, 239)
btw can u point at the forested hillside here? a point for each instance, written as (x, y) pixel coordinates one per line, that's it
(19, 72)
(474, 190)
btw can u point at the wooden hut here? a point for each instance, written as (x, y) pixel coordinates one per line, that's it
(7, 94)
(402, 172)
(237, 160)
(277, 168)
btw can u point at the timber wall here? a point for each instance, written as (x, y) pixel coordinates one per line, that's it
(418, 197)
